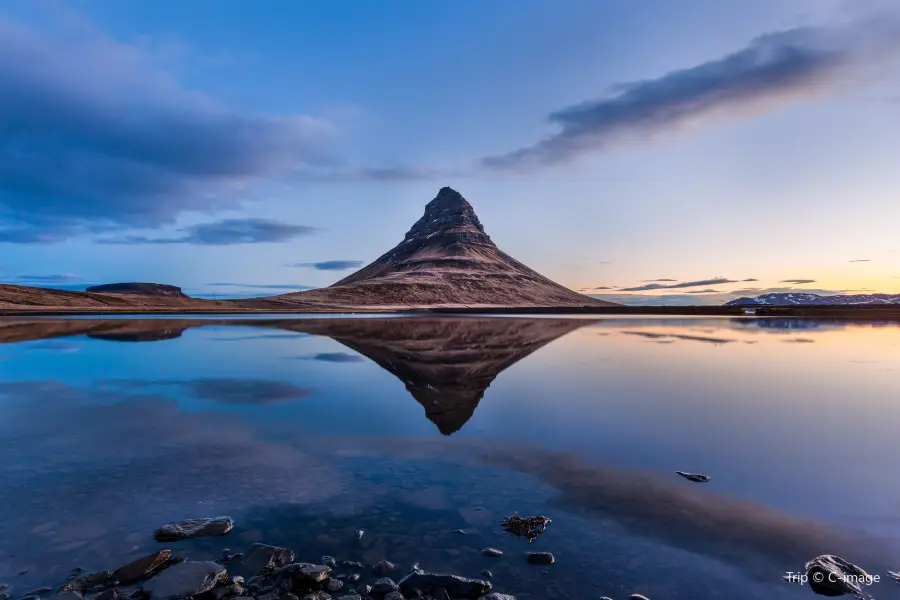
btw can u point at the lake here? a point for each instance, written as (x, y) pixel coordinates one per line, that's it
(409, 428)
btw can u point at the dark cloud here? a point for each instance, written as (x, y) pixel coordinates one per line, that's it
(603, 287)
(750, 279)
(709, 291)
(656, 280)
(330, 265)
(773, 70)
(671, 337)
(799, 341)
(684, 284)
(798, 281)
(226, 232)
(860, 260)
(125, 146)
(337, 357)
(225, 390)
(52, 278)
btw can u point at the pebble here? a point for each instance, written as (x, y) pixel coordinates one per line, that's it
(487, 574)
(638, 597)
(540, 558)
(384, 566)
(492, 552)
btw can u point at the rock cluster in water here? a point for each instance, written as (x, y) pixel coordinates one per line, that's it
(527, 527)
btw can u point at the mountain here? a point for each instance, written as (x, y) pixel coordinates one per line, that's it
(797, 299)
(445, 259)
(140, 289)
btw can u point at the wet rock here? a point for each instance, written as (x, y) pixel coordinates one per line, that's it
(487, 574)
(440, 594)
(88, 582)
(830, 575)
(366, 590)
(527, 527)
(695, 477)
(304, 574)
(492, 552)
(351, 564)
(353, 577)
(334, 585)
(39, 591)
(351, 597)
(394, 596)
(260, 558)
(359, 534)
(496, 596)
(317, 595)
(31, 598)
(385, 585)
(70, 596)
(4, 596)
(638, 597)
(142, 568)
(540, 558)
(193, 528)
(383, 566)
(23, 571)
(329, 561)
(456, 586)
(185, 580)
(460, 531)
(605, 598)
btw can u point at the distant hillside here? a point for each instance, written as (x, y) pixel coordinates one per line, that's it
(140, 289)
(800, 299)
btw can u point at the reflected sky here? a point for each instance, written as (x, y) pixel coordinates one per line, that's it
(587, 417)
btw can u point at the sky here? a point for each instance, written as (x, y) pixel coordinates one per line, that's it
(645, 151)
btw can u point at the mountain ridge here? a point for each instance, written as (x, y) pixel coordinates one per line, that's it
(808, 299)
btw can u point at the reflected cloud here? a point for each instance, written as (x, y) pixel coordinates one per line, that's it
(799, 341)
(52, 346)
(672, 337)
(224, 390)
(333, 357)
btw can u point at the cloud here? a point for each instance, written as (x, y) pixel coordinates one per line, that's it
(330, 265)
(225, 390)
(773, 70)
(334, 357)
(656, 280)
(53, 278)
(860, 260)
(798, 281)
(671, 337)
(751, 279)
(125, 146)
(227, 232)
(270, 286)
(799, 341)
(708, 291)
(685, 284)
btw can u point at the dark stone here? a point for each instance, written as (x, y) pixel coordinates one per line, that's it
(493, 552)
(353, 577)
(394, 596)
(350, 564)
(383, 567)
(456, 586)
(359, 534)
(68, 596)
(830, 575)
(39, 591)
(496, 596)
(4, 596)
(638, 597)
(317, 595)
(261, 558)
(334, 585)
(142, 568)
(527, 527)
(487, 574)
(193, 528)
(540, 558)
(329, 561)
(185, 580)
(385, 585)
(460, 531)
(695, 477)
(303, 576)
(89, 582)
(141, 289)
(288, 597)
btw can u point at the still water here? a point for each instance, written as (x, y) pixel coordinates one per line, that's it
(305, 430)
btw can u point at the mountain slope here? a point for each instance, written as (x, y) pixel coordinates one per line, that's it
(805, 299)
(446, 259)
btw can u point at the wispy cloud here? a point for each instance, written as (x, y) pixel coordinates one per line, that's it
(52, 278)
(656, 280)
(856, 260)
(798, 281)
(226, 232)
(330, 265)
(750, 279)
(334, 357)
(773, 70)
(271, 286)
(684, 284)
(708, 291)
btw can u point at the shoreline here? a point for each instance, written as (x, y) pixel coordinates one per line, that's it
(868, 312)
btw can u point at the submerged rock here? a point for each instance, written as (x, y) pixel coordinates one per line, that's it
(540, 558)
(185, 580)
(261, 557)
(88, 582)
(142, 568)
(527, 527)
(383, 566)
(385, 585)
(304, 574)
(492, 552)
(193, 528)
(830, 575)
(455, 585)
(695, 477)
(496, 596)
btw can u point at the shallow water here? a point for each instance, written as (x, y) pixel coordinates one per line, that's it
(305, 430)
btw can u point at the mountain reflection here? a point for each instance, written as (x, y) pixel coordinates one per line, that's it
(445, 363)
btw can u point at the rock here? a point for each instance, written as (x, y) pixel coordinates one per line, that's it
(394, 596)
(493, 552)
(385, 585)
(317, 595)
(261, 558)
(540, 558)
(304, 574)
(334, 585)
(329, 561)
(351, 564)
(830, 575)
(142, 568)
(193, 528)
(487, 574)
(288, 597)
(605, 598)
(4, 596)
(695, 477)
(441, 594)
(383, 566)
(460, 531)
(141, 289)
(185, 580)
(496, 596)
(456, 586)
(76, 595)
(366, 590)
(638, 597)
(39, 591)
(359, 534)
(353, 577)
(88, 582)
(351, 597)
(527, 527)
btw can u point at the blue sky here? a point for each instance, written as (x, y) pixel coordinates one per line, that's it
(725, 147)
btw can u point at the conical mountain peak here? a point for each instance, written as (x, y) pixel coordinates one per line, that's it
(450, 216)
